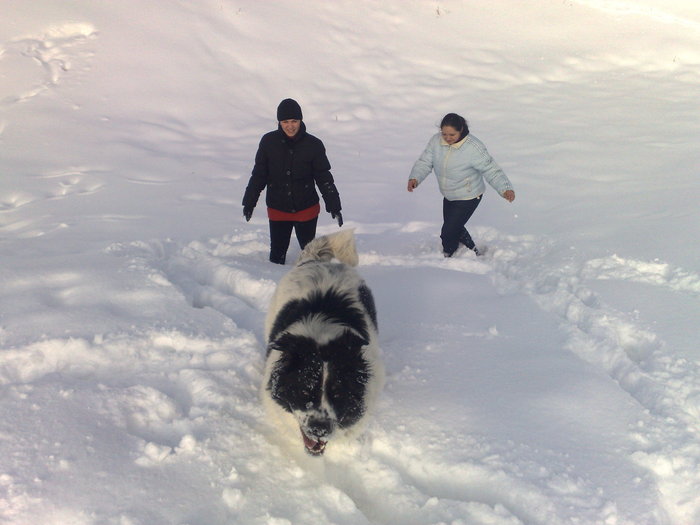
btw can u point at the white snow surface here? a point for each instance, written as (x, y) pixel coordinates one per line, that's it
(555, 380)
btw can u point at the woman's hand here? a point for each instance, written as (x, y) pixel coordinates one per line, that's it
(412, 184)
(508, 195)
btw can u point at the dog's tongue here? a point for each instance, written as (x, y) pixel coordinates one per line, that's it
(312, 446)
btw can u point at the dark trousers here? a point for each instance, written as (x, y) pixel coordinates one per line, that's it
(281, 233)
(455, 215)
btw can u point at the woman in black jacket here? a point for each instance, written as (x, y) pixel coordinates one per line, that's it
(291, 163)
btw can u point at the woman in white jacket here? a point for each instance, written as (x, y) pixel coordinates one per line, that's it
(461, 163)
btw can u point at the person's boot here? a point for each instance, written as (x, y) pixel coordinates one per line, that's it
(469, 243)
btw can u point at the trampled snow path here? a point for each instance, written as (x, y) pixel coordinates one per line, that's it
(389, 470)
(667, 386)
(185, 406)
(387, 474)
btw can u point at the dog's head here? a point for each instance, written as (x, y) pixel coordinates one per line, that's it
(322, 385)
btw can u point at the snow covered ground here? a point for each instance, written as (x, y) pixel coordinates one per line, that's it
(555, 380)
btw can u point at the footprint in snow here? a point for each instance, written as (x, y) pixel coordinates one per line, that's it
(39, 62)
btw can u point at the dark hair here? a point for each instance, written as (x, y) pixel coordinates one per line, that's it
(456, 121)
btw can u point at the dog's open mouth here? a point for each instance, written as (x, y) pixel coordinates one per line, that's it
(313, 446)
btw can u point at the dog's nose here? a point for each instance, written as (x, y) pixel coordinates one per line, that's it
(319, 427)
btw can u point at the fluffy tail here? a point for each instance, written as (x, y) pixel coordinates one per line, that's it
(340, 245)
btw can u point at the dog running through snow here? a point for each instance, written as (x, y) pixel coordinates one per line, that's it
(323, 371)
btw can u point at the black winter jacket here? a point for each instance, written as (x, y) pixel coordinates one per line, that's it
(289, 168)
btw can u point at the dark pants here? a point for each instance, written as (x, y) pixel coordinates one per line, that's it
(281, 233)
(455, 215)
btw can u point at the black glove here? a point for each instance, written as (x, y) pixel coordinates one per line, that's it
(339, 216)
(247, 213)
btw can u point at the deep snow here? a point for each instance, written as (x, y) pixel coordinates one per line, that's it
(554, 381)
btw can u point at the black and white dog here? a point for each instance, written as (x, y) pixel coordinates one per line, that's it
(323, 370)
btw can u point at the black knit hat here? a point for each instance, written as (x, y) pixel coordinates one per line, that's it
(289, 109)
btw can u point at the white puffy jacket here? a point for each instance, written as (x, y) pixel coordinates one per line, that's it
(460, 168)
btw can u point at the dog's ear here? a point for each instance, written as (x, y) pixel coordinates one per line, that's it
(272, 345)
(352, 340)
(292, 344)
(348, 344)
(281, 343)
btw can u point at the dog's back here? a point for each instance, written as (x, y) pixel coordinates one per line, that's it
(315, 270)
(340, 245)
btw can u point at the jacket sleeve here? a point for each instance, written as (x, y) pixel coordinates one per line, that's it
(324, 180)
(492, 172)
(424, 165)
(258, 179)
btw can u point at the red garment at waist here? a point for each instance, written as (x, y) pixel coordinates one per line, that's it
(299, 216)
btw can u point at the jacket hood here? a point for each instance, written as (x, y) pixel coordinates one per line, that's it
(457, 144)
